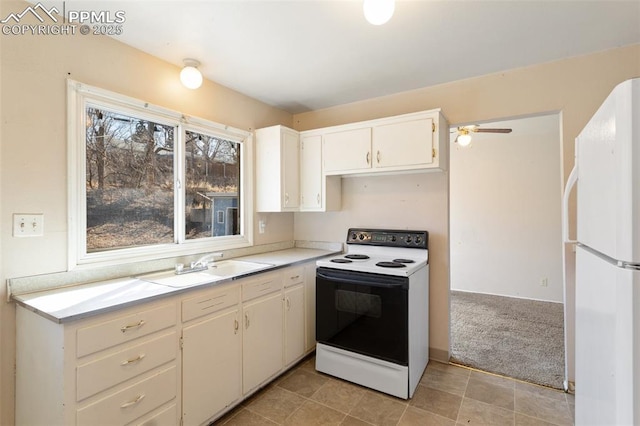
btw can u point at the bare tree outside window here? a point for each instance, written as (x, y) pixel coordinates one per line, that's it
(129, 181)
(212, 179)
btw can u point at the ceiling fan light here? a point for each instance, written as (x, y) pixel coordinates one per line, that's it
(378, 12)
(190, 76)
(464, 139)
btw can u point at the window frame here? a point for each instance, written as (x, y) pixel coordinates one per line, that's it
(78, 96)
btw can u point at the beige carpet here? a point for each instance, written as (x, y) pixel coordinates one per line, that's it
(519, 338)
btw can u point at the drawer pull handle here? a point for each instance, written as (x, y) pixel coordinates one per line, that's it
(368, 157)
(213, 306)
(129, 327)
(246, 321)
(133, 401)
(378, 157)
(318, 198)
(288, 304)
(132, 360)
(296, 277)
(235, 326)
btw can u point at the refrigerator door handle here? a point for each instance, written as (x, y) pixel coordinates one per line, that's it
(571, 181)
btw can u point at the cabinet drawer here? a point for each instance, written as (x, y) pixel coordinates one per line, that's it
(211, 302)
(259, 287)
(110, 333)
(103, 373)
(131, 403)
(168, 416)
(293, 276)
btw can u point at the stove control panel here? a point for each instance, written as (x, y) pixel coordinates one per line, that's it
(388, 238)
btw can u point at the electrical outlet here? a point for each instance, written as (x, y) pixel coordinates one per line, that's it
(544, 282)
(28, 225)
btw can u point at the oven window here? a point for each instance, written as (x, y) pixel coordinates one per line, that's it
(363, 313)
(369, 305)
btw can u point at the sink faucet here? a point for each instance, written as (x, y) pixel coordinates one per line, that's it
(204, 261)
(199, 265)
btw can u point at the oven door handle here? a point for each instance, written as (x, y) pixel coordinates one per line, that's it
(368, 281)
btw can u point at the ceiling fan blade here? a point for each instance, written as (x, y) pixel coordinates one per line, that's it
(480, 130)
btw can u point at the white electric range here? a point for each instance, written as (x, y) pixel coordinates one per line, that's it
(372, 310)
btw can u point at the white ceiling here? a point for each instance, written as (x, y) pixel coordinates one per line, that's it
(306, 55)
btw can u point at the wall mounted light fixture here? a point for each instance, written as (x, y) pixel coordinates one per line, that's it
(190, 76)
(378, 12)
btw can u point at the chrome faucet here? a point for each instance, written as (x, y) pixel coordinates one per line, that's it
(201, 264)
(205, 260)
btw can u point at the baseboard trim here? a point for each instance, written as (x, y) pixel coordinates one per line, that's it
(439, 355)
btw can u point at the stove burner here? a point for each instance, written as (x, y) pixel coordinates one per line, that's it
(391, 265)
(404, 260)
(357, 256)
(340, 260)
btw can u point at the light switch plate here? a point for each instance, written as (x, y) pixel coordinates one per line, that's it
(28, 225)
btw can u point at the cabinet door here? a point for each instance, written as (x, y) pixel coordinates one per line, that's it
(262, 340)
(290, 180)
(211, 367)
(310, 305)
(311, 172)
(293, 324)
(403, 144)
(348, 150)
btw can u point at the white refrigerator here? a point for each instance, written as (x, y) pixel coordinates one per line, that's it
(607, 303)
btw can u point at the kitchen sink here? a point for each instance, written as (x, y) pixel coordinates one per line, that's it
(232, 268)
(219, 271)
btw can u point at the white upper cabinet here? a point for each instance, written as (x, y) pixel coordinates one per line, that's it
(310, 172)
(347, 150)
(317, 191)
(416, 141)
(277, 169)
(405, 144)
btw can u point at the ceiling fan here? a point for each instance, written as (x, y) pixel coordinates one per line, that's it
(464, 133)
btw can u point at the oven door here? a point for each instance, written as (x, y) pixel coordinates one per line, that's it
(363, 313)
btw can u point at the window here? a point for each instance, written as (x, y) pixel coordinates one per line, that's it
(149, 182)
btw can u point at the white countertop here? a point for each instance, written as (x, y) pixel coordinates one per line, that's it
(81, 301)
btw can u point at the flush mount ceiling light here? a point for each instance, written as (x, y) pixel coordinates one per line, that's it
(190, 76)
(378, 12)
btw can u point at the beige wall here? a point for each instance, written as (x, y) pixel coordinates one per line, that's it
(574, 87)
(33, 145)
(506, 193)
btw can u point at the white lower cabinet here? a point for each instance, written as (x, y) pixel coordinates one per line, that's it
(309, 307)
(211, 359)
(189, 358)
(111, 369)
(261, 341)
(294, 308)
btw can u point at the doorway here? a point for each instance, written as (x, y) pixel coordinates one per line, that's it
(506, 250)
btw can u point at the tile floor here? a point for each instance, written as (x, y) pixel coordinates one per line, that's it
(446, 395)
